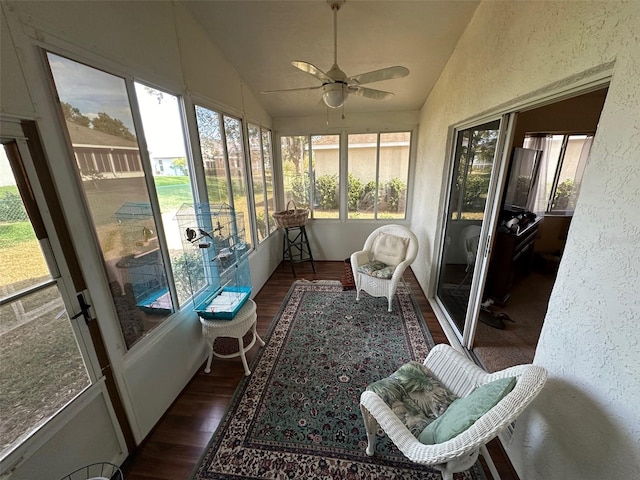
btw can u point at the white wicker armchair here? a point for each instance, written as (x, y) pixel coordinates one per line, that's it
(382, 287)
(461, 376)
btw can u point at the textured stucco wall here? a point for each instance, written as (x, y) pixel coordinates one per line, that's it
(586, 423)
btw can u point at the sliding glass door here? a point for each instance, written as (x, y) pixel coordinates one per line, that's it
(475, 174)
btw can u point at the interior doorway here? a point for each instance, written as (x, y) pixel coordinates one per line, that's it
(525, 260)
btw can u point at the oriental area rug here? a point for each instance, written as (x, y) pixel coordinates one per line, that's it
(297, 416)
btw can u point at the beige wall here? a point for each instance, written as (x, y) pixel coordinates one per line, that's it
(586, 423)
(362, 163)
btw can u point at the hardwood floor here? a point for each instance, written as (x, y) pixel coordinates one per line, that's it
(174, 447)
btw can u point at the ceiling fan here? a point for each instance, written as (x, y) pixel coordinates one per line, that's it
(336, 86)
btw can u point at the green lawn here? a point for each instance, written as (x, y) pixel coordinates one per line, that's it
(12, 234)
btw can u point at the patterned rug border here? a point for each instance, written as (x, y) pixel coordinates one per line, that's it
(280, 325)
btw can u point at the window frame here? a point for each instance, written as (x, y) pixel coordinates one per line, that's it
(408, 183)
(246, 167)
(344, 170)
(566, 138)
(269, 208)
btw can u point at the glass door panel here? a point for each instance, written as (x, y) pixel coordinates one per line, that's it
(474, 160)
(42, 368)
(99, 120)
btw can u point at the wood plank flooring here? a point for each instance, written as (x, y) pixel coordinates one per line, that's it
(174, 447)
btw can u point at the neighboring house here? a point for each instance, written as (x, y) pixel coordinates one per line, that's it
(586, 422)
(168, 166)
(102, 154)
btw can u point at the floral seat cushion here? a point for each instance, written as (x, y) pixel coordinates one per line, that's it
(377, 269)
(415, 395)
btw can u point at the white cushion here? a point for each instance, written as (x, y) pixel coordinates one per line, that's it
(390, 249)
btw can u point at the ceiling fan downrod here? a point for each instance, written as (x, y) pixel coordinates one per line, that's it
(335, 6)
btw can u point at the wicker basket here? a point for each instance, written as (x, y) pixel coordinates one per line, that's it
(291, 217)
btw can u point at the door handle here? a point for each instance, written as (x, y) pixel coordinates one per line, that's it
(84, 309)
(487, 247)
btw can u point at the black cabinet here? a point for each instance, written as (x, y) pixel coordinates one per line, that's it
(511, 258)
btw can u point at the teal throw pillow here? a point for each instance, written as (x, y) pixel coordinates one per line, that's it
(464, 412)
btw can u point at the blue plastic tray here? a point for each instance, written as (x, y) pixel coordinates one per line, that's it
(204, 311)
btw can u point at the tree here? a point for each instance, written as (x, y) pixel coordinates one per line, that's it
(106, 124)
(179, 165)
(74, 115)
(210, 134)
(293, 150)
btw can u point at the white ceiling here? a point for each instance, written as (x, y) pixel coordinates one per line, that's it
(261, 38)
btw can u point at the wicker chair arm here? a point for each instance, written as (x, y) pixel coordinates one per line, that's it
(360, 258)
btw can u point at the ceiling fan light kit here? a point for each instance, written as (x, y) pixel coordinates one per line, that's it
(334, 94)
(336, 86)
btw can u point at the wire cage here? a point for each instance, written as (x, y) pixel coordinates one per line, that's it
(141, 262)
(216, 258)
(96, 471)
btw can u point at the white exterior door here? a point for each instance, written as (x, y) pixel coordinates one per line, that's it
(54, 374)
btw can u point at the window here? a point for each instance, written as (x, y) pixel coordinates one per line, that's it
(221, 146)
(475, 152)
(563, 161)
(311, 171)
(118, 191)
(377, 175)
(262, 177)
(161, 115)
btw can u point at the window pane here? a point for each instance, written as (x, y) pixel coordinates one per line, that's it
(98, 117)
(295, 169)
(393, 172)
(257, 173)
(268, 178)
(235, 160)
(326, 173)
(362, 187)
(212, 150)
(164, 134)
(41, 368)
(17, 239)
(570, 176)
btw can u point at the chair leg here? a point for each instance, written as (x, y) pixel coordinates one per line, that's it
(209, 343)
(390, 301)
(370, 425)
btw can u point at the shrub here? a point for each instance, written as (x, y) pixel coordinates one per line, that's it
(395, 190)
(327, 191)
(476, 188)
(563, 199)
(356, 188)
(261, 225)
(300, 189)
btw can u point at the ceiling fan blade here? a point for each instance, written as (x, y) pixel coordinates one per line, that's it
(312, 70)
(379, 75)
(291, 89)
(370, 93)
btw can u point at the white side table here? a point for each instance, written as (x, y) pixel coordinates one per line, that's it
(244, 320)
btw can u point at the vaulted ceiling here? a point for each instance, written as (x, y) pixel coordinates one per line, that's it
(261, 38)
